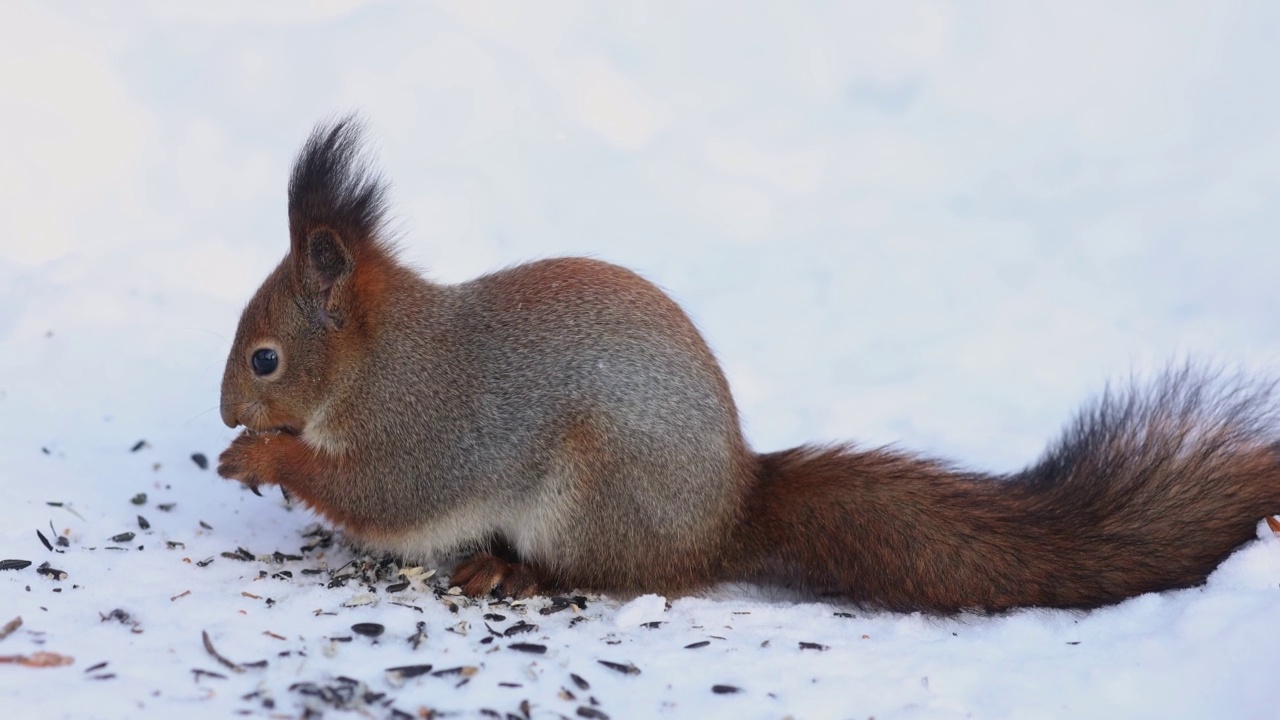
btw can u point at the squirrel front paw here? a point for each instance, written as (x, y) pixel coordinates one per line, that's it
(248, 460)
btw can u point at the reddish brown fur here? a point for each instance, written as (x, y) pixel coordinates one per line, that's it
(1106, 518)
(278, 458)
(484, 573)
(569, 410)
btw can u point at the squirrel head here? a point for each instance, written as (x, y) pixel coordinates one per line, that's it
(314, 314)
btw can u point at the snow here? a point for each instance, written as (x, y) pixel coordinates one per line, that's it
(943, 225)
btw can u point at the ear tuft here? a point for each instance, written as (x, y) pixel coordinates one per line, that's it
(333, 186)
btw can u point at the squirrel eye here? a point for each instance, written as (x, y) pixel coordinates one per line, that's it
(264, 361)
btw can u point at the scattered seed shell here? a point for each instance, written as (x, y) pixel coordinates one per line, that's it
(626, 669)
(529, 648)
(362, 599)
(518, 628)
(368, 629)
(208, 646)
(39, 659)
(410, 671)
(51, 573)
(10, 626)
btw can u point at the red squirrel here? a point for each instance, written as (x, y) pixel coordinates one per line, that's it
(562, 424)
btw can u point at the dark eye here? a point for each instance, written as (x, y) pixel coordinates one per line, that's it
(264, 361)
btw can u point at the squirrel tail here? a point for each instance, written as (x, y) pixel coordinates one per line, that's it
(1147, 490)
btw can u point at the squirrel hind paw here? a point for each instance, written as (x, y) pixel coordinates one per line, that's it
(484, 573)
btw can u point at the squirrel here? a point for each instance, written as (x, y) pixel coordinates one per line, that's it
(562, 424)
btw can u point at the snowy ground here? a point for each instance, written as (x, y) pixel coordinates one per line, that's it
(943, 225)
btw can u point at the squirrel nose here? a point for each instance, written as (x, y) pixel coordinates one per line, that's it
(229, 416)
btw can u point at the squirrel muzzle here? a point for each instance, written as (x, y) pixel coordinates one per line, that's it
(229, 415)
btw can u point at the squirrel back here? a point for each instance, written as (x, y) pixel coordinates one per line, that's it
(565, 423)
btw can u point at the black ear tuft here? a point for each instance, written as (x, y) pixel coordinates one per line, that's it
(333, 186)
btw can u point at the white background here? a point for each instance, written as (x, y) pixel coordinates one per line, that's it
(942, 225)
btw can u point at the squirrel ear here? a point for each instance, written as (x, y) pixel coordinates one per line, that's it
(327, 260)
(325, 264)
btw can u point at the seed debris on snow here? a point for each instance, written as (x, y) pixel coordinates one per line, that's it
(465, 671)
(404, 672)
(198, 673)
(518, 628)
(376, 575)
(534, 648)
(51, 573)
(362, 599)
(368, 629)
(344, 694)
(10, 627)
(222, 659)
(124, 618)
(624, 668)
(240, 554)
(577, 602)
(40, 659)
(419, 637)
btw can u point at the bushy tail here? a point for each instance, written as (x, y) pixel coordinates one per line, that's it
(1147, 490)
